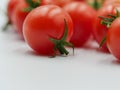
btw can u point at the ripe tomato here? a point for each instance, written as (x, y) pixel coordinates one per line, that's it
(19, 16)
(82, 21)
(100, 31)
(20, 13)
(11, 7)
(47, 22)
(113, 38)
(79, 0)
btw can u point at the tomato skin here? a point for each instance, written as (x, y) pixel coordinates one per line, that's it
(60, 3)
(82, 21)
(100, 31)
(19, 16)
(108, 2)
(113, 38)
(11, 7)
(40, 26)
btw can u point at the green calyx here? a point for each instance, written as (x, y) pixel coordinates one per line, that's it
(31, 5)
(6, 25)
(107, 21)
(103, 41)
(59, 45)
(96, 4)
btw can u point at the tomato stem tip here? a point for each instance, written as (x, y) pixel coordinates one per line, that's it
(60, 44)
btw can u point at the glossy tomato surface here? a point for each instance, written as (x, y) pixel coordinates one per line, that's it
(113, 38)
(43, 23)
(100, 31)
(82, 16)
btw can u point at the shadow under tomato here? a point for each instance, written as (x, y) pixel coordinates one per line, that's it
(12, 34)
(33, 53)
(92, 45)
(116, 62)
(36, 54)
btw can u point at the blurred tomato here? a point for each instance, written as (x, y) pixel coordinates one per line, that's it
(100, 30)
(82, 16)
(11, 7)
(60, 3)
(20, 12)
(107, 2)
(19, 16)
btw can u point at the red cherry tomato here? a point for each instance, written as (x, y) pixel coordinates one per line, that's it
(113, 38)
(100, 31)
(43, 23)
(82, 16)
(20, 13)
(19, 16)
(11, 7)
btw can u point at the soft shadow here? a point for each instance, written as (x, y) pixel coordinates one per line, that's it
(116, 62)
(33, 53)
(110, 61)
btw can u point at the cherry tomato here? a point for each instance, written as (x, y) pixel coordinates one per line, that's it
(113, 38)
(82, 16)
(44, 23)
(11, 7)
(100, 31)
(19, 16)
(20, 13)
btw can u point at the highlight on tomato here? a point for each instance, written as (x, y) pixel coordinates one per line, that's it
(113, 38)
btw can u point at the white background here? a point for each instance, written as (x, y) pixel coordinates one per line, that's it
(21, 69)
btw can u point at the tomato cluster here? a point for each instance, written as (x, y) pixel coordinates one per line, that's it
(48, 26)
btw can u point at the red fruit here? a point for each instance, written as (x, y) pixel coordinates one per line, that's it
(82, 16)
(60, 3)
(20, 13)
(44, 23)
(11, 7)
(100, 30)
(113, 38)
(19, 16)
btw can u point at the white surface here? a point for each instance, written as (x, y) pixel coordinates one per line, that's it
(20, 69)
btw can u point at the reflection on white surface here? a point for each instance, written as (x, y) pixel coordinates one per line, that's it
(21, 69)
